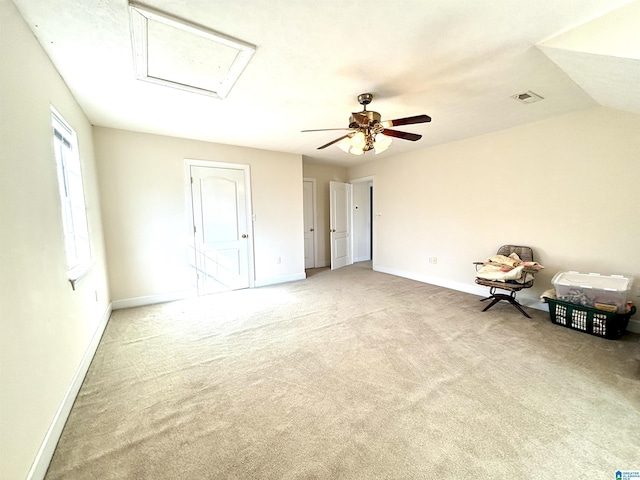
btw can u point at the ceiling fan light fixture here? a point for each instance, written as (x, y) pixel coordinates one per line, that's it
(347, 145)
(358, 140)
(381, 143)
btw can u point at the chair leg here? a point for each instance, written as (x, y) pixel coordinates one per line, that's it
(497, 297)
(495, 300)
(516, 304)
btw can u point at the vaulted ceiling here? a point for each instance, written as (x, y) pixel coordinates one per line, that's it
(459, 61)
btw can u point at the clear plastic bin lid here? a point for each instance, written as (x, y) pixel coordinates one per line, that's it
(614, 283)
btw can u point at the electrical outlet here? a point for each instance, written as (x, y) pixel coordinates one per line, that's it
(278, 260)
(433, 260)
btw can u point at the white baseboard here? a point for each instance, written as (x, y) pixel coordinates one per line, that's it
(48, 447)
(634, 325)
(459, 286)
(282, 279)
(153, 299)
(184, 294)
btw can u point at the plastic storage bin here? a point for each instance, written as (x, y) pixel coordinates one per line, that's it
(589, 320)
(593, 290)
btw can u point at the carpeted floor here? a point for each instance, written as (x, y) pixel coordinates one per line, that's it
(351, 374)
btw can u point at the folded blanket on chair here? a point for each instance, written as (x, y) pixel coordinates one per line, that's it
(500, 268)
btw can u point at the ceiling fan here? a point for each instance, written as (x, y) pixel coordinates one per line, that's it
(369, 132)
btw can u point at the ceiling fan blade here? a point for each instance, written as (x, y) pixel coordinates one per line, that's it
(403, 135)
(332, 142)
(324, 129)
(406, 121)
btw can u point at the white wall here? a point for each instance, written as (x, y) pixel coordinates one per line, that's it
(45, 326)
(323, 175)
(567, 186)
(147, 233)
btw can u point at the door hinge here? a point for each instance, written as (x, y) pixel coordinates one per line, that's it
(194, 229)
(191, 180)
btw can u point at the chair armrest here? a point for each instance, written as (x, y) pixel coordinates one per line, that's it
(530, 270)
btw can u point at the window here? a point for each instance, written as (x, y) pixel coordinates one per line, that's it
(74, 214)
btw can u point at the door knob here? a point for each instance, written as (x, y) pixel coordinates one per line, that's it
(311, 229)
(244, 235)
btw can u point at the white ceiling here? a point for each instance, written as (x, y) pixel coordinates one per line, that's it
(459, 61)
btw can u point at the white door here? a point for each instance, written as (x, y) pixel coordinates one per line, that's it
(340, 224)
(361, 231)
(221, 228)
(309, 202)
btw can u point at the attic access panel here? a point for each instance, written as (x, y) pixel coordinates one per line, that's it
(177, 53)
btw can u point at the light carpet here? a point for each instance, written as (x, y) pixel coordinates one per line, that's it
(351, 374)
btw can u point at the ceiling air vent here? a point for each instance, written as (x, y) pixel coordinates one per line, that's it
(527, 97)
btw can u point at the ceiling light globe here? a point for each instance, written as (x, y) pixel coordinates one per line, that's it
(382, 139)
(358, 140)
(356, 151)
(381, 143)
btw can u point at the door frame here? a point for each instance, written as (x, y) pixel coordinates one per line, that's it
(315, 218)
(188, 163)
(374, 216)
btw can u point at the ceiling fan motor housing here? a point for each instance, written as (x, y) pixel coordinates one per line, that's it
(358, 118)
